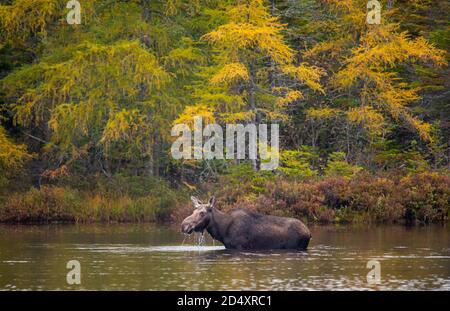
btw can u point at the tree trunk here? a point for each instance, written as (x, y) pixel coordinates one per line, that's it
(252, 106)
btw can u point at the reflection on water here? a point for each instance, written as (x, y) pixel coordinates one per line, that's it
(133, 249)
(145, 257)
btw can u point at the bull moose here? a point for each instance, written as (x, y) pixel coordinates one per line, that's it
(245, 229)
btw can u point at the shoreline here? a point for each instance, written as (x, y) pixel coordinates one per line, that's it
(420, 198)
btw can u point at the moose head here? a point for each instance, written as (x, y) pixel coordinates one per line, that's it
(200, 217)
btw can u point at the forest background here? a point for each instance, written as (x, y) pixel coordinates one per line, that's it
(86, 110)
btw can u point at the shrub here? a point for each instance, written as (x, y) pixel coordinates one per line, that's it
(299, 163)
(423, 197)
(62, 204)
(426, 197)
(43, 205)
(338, 166)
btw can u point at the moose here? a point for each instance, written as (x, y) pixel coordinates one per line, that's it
(243, 229)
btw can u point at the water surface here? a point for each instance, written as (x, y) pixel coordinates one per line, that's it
(149, 257)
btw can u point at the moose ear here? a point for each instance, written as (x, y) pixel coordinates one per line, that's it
(195, 201)
(212, 201)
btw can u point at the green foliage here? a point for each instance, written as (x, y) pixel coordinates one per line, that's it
(92, 100)
(255, 181)
(391, 158)
(338, 166)
(299, 163)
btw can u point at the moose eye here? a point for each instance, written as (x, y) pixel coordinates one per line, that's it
(202, 214)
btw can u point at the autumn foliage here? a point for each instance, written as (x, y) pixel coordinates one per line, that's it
(419, 198)
(79, 103)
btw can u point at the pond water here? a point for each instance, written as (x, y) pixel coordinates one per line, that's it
(149, 257)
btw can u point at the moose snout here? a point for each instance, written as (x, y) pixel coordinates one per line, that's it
(186, 228)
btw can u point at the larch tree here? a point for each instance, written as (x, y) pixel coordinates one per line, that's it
(12, 157)
(102, 93)
(367, 64)
(254, 75)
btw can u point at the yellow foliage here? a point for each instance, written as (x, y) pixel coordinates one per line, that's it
(251, 45)
(99, 96)
(396, 99)
(27, 17)
(249, 38)
(369, 118)
(368, 70)
(12, 156)
(230, 73)
(422, 128)
(330, 49)
(290, 97)
(238, 116)
(96, 73)
(181, 60)
(234, 37)
(383, 46)
(199, 110)
(310, 75)
(171, 7)
(322, 113)
(129, 126)
(251, 26)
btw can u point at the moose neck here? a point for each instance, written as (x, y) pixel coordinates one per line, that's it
(218, 224)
